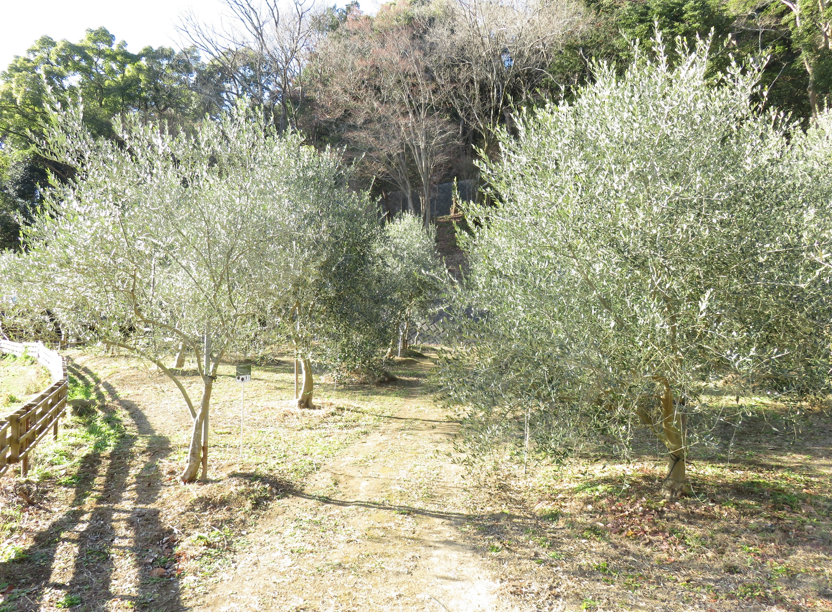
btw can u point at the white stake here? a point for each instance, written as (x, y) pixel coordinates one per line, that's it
(242, 396)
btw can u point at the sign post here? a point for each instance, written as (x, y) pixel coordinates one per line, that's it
(243, 376)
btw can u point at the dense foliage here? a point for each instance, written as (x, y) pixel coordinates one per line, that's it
(661, 229)
(410, 93)
(231, 234)
(414, 275)
(654, 239)
(155, 84)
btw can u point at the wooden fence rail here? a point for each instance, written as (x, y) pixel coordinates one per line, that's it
(21, 430)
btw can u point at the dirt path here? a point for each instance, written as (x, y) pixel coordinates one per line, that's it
(359, 506)
(382, 520)
(86, 542)
(380, 527)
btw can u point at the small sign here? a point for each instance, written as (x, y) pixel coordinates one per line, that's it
(244, 372)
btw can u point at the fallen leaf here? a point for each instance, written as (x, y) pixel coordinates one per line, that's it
(158, 572)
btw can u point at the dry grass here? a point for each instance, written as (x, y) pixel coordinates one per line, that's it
(110, 523)
(20, 379)
(755, 535)
(103, 523)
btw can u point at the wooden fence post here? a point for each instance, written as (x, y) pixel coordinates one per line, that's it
(14, 438)
(29, 424)
(3, 460)
(24, 463)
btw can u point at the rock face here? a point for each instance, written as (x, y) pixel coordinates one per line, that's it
(395, 202)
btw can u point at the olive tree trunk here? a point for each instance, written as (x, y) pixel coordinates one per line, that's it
(304, 399)
(404, 333)
(670, 429)
(672, 433)
(180, 356)
(198, 452)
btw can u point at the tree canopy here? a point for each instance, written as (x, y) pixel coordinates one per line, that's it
(155, 84)
(653, 239)
(411, 93)
(231, 238)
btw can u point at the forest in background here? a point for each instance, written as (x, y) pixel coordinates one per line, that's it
(412, 96)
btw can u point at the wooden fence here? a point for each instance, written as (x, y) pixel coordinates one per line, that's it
(21, 430)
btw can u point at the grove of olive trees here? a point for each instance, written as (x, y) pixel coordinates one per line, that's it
(656, 222)
(231, 238)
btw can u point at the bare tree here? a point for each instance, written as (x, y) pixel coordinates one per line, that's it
(376, 88)
(409, 83)
(259, 54)
(490, 54)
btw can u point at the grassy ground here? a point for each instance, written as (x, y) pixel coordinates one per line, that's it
(756, 534)
(102, 523)
(20, 379)
(104, 500)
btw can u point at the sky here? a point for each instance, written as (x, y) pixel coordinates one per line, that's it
(149, 22)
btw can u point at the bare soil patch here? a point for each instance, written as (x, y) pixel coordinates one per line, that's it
(364, 504)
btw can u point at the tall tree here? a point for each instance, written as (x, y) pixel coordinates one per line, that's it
(376, 87)
(155, 83)
(788, 36)
(227, 238)
(259, 55)
(654, 239)
(110, 80)
(491, 56)
(810, 22)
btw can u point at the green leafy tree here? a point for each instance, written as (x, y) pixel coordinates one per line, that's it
(110, 80)
(228, 239)
(654, 238)
(414, 275)
(20, 194)
(810, 22)
(791, 37)
(157, 84)
(686, 19)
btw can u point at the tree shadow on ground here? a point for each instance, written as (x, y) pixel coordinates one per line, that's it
(286, 488)
(73, 561)
(753, 534)
(390, 417)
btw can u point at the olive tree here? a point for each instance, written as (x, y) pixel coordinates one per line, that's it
(414, 275)
(228, 239)
(652, 239)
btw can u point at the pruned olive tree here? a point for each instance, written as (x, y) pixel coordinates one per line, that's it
(230, 238)
(330, 301)
(414, 275)
(655, 238)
